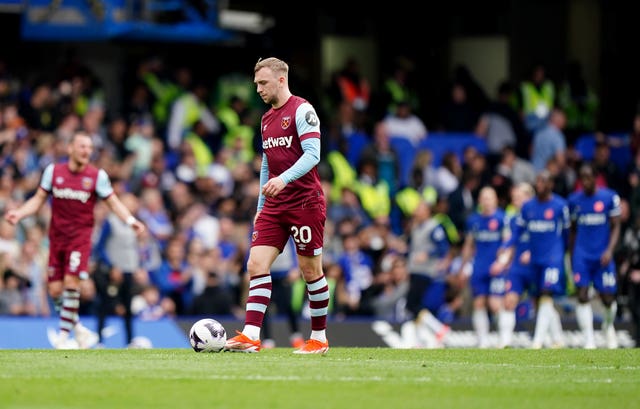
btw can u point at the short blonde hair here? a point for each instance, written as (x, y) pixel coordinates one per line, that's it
(274, 64)
(526, 188)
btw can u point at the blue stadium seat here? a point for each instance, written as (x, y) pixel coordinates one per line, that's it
(618, 146)
(440, 143)
(406, 154)
(356, 142)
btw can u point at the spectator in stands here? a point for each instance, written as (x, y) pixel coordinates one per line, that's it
(40, 111)
(390, 289)
(537, 98)
(12, 300)
(384, 156)
(579, 101)
(10, 246)
(502, 127)
(160, 174)
(549, 141)
(476, 162)
(139, 141)
(563, 177)
(630, 273)
(174, 276)
(150, 306)
(634, 185)
(448, 174)
(350, 86)
(428, 259)
(118, 257)
(31, 266)
(398, 87)
(462, 201)
(517, 169)
(458, 114)
(215, 299)
(404, 123)
(189, 108)
(374, 193)
(155, 215)
(358, 270)
(139, 103)
(476, 96)
(163, 88)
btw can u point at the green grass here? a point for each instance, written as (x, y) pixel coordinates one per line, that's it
(345, 378)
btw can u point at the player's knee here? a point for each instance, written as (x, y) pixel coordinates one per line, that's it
(583, 295)
(255, 268)
(607, 299)
(55, 289)
(510, 301)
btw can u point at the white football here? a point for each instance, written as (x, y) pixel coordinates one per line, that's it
(207, 335)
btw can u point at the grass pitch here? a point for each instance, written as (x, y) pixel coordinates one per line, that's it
(344, 378)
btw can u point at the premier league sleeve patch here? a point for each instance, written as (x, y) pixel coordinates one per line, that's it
(311, 118)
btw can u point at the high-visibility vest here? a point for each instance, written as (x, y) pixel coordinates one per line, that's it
(584, 117)
(408, 198)
(375, 199)
(398, 93)
(201, 153)
(164, 92)
(344, 175)
(449, 227)
(192, 110)
(538, 102)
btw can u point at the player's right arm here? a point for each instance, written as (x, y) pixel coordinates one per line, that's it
(264, 177)
(28, 208)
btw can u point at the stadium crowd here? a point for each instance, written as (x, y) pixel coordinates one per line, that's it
(186, 153)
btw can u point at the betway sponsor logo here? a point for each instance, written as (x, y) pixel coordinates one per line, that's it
(275, 142)
(68, 193)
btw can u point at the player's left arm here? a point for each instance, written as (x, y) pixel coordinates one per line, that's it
(308, 127)
(614, 230)
(105, 190)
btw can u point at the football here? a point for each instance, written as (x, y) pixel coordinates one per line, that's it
(207, 335)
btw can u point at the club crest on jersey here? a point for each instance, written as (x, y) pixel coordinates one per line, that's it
(254, 236)
(548, 214)
(285, 122)
(493, 224)
(598, 206)
(87, 183)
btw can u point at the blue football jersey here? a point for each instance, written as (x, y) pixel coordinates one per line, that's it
(487, 232)
(591, 215)
(547, 224)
